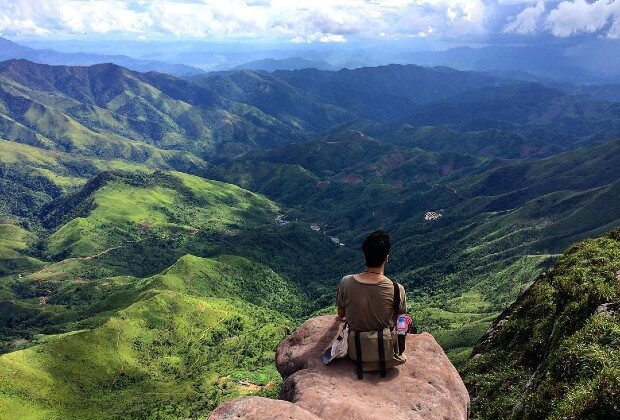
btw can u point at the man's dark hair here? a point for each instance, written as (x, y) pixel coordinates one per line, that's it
(376, 248)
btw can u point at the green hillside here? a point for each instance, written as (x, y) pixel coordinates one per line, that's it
(14, 244)
(130, 208)
(175, 344)
(120, 226)
(169, 353)
(554, 352)
(31, 178)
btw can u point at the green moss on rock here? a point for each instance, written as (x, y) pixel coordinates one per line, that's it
(555, 352)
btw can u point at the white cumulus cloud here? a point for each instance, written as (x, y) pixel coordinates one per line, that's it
(308, 20)
(527, 21)
(579, 16)
(299, 20)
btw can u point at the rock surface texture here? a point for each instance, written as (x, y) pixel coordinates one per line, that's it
(426, 387)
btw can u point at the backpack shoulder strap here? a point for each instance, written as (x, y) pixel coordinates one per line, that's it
(358, 356)
(396, 305)
(381, 353)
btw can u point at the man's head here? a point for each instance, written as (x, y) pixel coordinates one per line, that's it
(376, 248)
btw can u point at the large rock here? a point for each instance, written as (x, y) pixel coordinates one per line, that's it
(426, 387)
(257, 408)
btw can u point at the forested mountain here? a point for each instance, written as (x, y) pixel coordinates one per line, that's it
(554, 352)
(528, 109)
(175, 229)
(439, 108)
(109, 111)
(373, 92)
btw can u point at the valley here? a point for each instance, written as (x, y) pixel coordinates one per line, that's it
(159, 236)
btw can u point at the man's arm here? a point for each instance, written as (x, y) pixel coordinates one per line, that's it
(340, 300)
(402, 307)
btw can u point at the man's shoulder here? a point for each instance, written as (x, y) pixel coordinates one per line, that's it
(394, 281)
(346, 279)
(391, 282)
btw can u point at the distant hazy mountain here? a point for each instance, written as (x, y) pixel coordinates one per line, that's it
(10, 50)
(369, 92)
(293, 63)
(529, 109)
(609, 93)
(543, 61)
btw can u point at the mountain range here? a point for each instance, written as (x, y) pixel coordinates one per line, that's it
(10, 50)
(175, 229)
(588, 63)
(293, 63)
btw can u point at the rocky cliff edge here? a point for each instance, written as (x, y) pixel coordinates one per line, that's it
(426, 387)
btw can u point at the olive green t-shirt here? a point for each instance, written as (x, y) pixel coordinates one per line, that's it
(368, 306)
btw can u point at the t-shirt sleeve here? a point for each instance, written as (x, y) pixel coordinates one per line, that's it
(402, 308)
(340, 295)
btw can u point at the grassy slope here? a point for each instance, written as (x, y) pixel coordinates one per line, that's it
(158, 206)
(31, 177)
(551, 354)
(167, 355)
(166, 214)
(176, 345)
(14, 244)
(54, 121)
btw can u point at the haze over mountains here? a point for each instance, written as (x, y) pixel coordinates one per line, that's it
(591, 61)
(176, 227)
(11, 50)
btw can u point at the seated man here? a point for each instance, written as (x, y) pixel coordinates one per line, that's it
(371, 303)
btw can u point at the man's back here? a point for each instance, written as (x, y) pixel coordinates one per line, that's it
(368, 306)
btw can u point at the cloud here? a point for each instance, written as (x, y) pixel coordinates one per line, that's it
(299, 20)
(308, 20)
(527, 21)
(574, 17)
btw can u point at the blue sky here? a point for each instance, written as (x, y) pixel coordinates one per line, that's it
(310, 21)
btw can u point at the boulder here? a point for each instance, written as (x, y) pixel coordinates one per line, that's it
(426, 387)
(257, 408)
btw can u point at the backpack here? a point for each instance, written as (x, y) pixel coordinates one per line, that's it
(376, 350)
